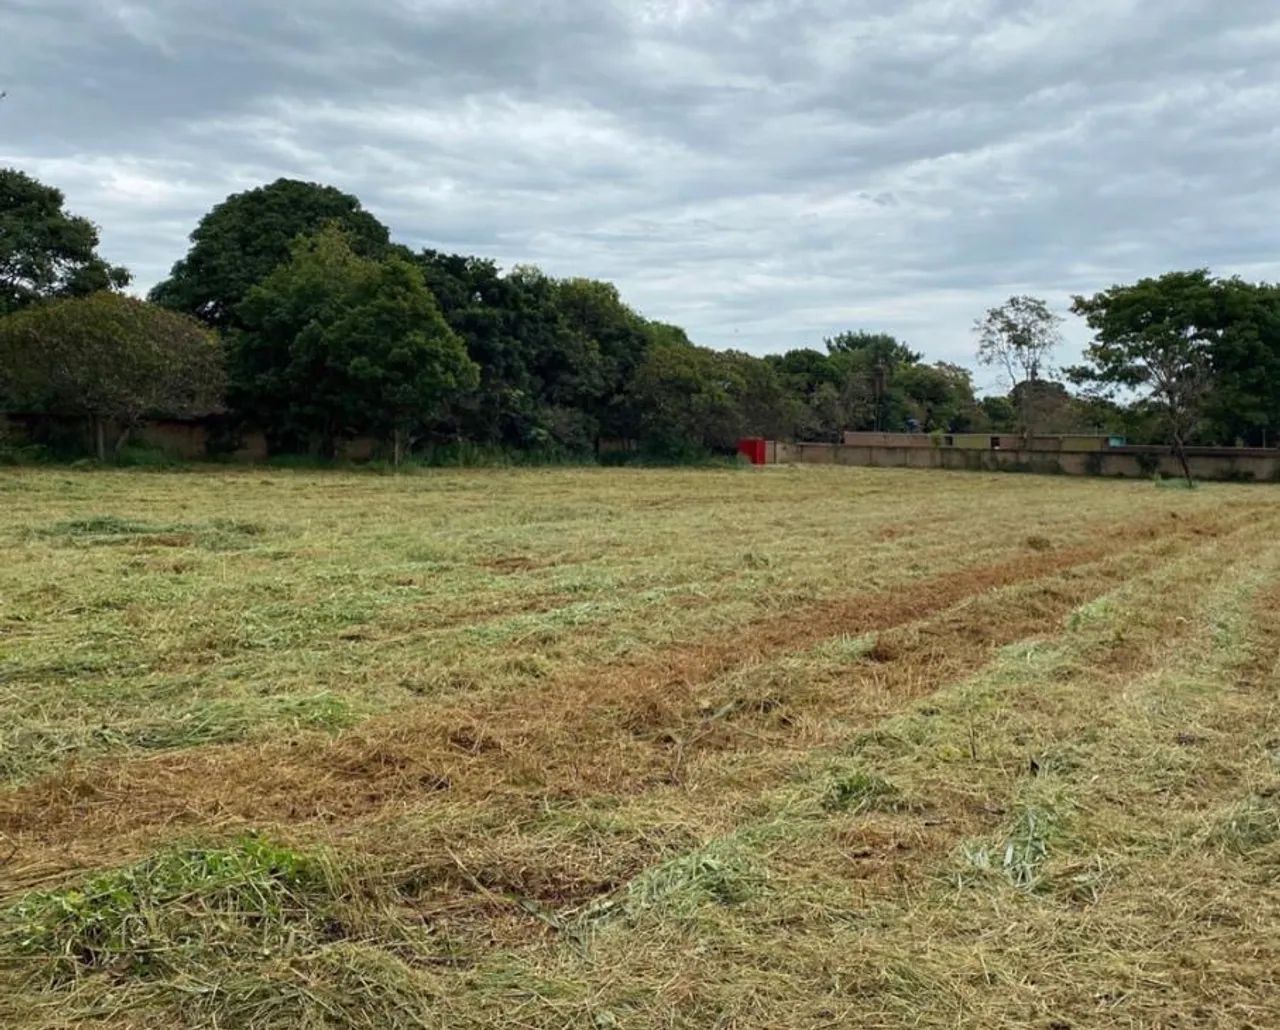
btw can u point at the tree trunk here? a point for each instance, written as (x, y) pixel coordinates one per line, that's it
(121, 440)
(99, 438)
(1181, 452)
(395, 447)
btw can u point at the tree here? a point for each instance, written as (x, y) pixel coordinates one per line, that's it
(335, 344)
(44, 251)
(109, 358)
(938, 396)
(683, 398)
(1000, 413)
(812, 380)
(1019, 337)
(866, 364)
(537, 376)
(764, 405)
(402, 358)
(1244, 403)
(1157, 337)
(616, 337)
(244, 238)
(884, 348)
(484, 308)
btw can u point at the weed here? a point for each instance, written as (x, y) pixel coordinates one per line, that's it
(1021, 853)
(173, 910)
(723, 872)
(862, 792)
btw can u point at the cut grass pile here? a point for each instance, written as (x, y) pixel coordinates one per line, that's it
(170, 912)
(634, 748)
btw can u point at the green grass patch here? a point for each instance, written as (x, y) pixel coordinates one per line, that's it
(723, 872)
(176, 911)
(859, 791)
(1019, 854)
(217, 534)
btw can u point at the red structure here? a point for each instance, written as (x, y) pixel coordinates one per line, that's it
(754, 449)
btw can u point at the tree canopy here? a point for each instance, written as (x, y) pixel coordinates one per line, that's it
(335, 344)
(242, 240)
(44, 251)
(109, 357)
(1157, 337)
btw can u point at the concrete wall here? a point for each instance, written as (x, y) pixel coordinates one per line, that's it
(785, 452)
(1246, 464)
(977, 441)
(861, 439)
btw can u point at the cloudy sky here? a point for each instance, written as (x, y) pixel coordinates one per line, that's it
(762, 172)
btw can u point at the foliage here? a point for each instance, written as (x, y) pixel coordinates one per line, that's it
(878, 348)
(554, 355)
(1000, 413)
(335, 344)
(109, 357)
(1157, 337)
(44, 251)
(245, 237)
(366, 337)
(1244, 402)
(1020, 337)
(873, 381)
(683, 395)
(938, 396)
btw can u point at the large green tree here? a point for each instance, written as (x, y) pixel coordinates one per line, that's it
(44, 251)
(866, 366)
(1244, 403)
(245, 237)
(683, 397)
(109, 358)
(334, 344)
(938, 396)
(538, 376)
(1157, 337)
(555, 355)
(813, 381)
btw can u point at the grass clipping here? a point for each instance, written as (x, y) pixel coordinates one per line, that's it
(247, 934)
(175, 911)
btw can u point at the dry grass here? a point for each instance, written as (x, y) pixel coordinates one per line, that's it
(801, 747)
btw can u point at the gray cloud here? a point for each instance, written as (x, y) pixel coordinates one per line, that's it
(764, 173)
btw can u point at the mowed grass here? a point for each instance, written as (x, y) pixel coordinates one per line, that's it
(629, 748)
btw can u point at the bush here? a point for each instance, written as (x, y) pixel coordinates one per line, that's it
(145, 456)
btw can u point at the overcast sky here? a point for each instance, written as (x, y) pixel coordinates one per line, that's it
(762, 173)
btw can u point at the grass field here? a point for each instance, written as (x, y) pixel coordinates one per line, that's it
(790, 747)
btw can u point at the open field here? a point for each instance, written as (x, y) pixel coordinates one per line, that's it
(796, 746)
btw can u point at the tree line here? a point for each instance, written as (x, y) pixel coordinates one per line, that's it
(294, 313)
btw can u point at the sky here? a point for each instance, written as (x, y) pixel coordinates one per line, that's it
(764, 173)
